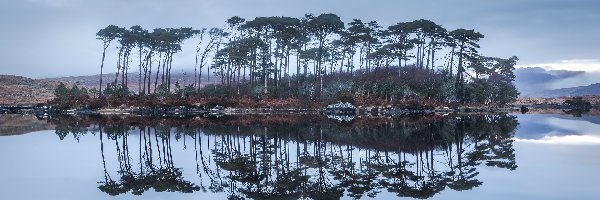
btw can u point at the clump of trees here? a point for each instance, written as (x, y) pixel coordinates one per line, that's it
(578, 103)
(158, 46)
(67, 98)
(577, 106)
(316, 57)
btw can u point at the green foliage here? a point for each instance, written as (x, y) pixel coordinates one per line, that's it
(336, 88)
(447, 90)
(116, 90)
(480, 91)
(258, 91)
(183, 92)
(307, 91)
(109, 33)
(578, 103)
(66, 98)
(216, 90)
(63, 92)
(496, 86)
(94, 92)
(325, 24)
(186, 91)
(162, 90)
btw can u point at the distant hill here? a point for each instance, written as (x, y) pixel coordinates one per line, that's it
(18, 90)
(593, 89)
(93, 81)
(530, 81)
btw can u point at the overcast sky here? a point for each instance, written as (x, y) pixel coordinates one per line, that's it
(49, 38)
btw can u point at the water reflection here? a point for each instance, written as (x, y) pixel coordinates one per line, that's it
(559, 129)
(299, 156)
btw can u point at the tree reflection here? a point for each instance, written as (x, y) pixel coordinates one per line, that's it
(291, 157)
(162, 176)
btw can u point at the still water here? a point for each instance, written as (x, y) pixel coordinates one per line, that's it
(301, 157)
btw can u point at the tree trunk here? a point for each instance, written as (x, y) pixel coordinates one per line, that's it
(157, 71)
(102, 67)
(452, 61)
(118, 67)
(196, 70)
(265, 77)
(164, 70)
(149, 72)
(432, 59)
(170, 66)
(428, 56)
(238, 80)
(319, 66)
(399, 66)
(124, 68)
(275, 66)
(140, 75)
(460, 78)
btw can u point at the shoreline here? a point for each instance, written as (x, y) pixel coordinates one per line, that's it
(196, 111)
(190, 111)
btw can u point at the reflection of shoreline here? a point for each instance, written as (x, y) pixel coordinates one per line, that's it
(248, 119)
(592, 112)
(383, 133)
(16, 124)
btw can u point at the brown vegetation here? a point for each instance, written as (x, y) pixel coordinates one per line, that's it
(18, 90)
(593, 99)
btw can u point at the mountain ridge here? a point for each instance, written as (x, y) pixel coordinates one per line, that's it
(592, 89)
(540, 82)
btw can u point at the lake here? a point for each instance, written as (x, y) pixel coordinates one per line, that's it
(495, 156)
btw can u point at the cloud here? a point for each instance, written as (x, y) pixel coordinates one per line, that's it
(47, 38)
(564, 140)
(557, 129)
(571, 65)
(562, 74)
(53, 3)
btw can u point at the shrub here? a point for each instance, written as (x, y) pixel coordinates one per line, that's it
(116, 90)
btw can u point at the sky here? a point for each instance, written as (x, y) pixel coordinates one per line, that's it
(53, 38)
